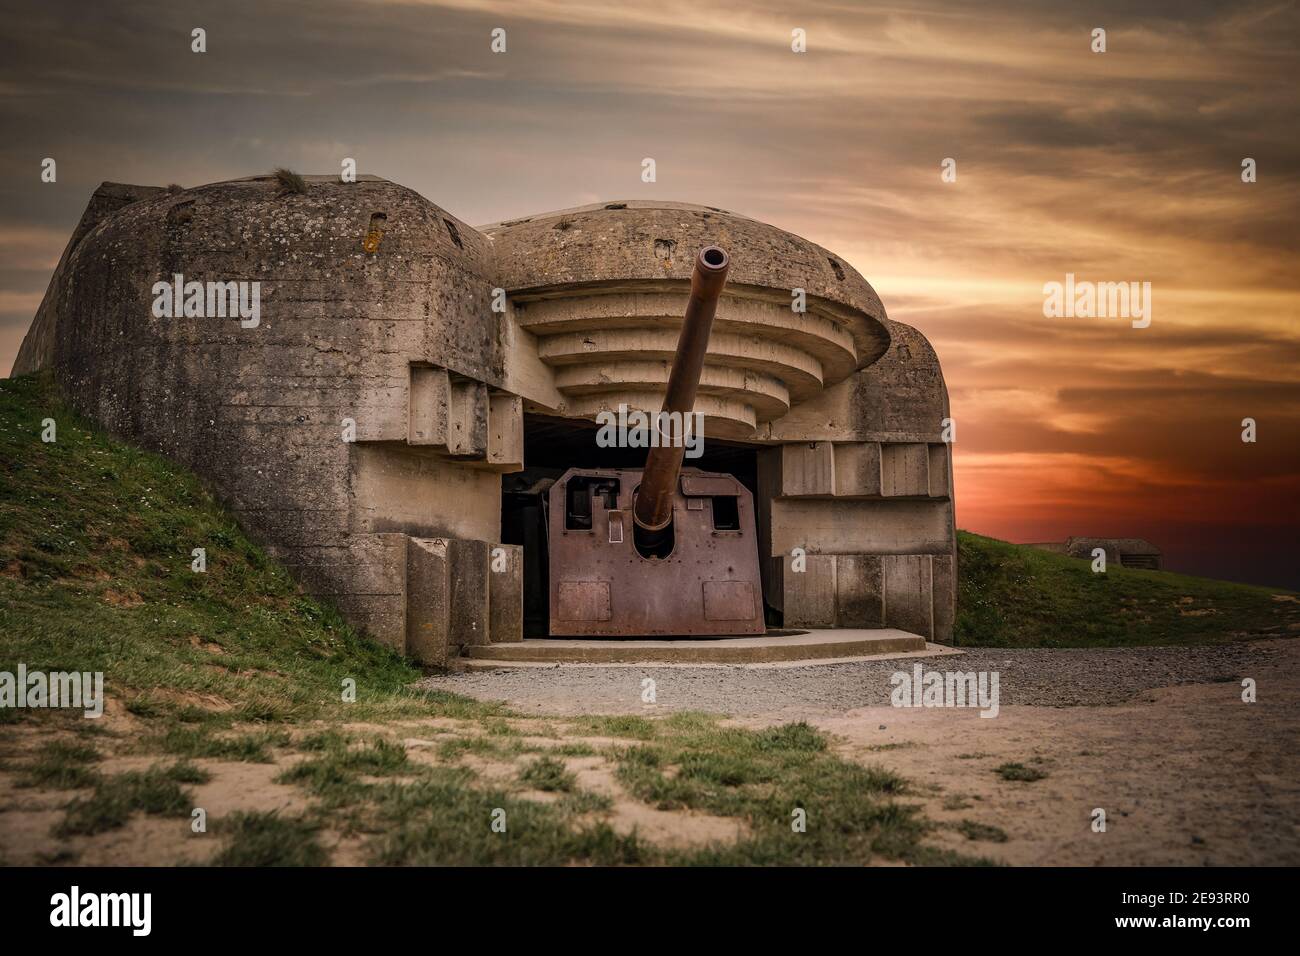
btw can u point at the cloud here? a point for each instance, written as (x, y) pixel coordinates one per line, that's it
(1123, 166)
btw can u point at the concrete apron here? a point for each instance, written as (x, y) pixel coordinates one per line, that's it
(830, 646)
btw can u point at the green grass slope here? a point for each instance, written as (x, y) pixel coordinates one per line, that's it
(1012, 595)
(95, 550)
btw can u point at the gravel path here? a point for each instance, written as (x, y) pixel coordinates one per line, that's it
(1055, 678)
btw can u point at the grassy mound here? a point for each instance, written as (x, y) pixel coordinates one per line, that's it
(96, 543)
(1012, 595)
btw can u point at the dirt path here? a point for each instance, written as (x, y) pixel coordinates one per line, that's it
(1187, 776)
(1160, 739)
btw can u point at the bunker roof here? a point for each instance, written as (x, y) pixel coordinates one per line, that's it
(629, 242)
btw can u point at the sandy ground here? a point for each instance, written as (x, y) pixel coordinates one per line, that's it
(28, 815)
(1159, 738)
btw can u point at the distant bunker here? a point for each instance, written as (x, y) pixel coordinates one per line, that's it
(405, 410)
(1119, 552)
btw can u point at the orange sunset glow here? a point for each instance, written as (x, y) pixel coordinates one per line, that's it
(1116, 166)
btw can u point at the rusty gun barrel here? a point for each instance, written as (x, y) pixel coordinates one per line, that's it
(653, 512)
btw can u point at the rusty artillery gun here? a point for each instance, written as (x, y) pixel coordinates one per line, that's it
(663, 550)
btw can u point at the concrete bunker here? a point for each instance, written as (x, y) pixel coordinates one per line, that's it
(389, 428)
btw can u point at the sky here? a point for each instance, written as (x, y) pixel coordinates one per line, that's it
(1122, 166)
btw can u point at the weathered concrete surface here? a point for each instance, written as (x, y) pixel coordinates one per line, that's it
(38, 345)
(814, 645)
(381, 396)
(428, 607)
(864, 470)
(603, 287)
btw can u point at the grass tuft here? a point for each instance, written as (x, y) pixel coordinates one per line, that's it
(269, 839)
(252, 747)
(115, 799)
(62, 765)
(1019, 772)
(638, 728)
(289, 181)
(982, 831)
(336, 773)
(548, 774)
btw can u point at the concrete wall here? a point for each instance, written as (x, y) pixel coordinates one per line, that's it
(866, 496)
(261, 412)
